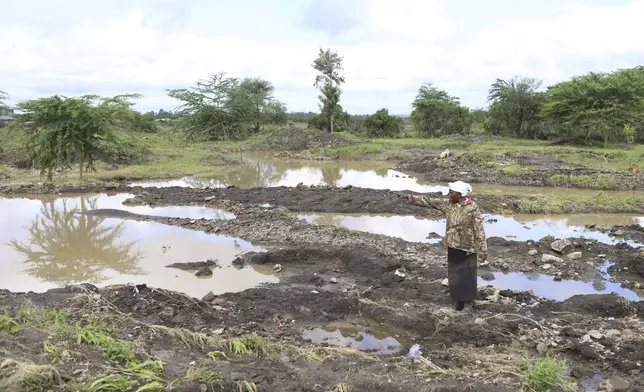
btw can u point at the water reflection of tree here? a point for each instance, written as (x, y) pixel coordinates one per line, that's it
(331, 175)
(65, 247)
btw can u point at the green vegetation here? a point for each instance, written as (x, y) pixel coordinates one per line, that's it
(225, 108)
(328, 81)
(64, 131)
(574, 202)
(437, 113)
(381, 124)
(546, 374)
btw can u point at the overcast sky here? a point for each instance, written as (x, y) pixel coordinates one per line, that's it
(73, 47)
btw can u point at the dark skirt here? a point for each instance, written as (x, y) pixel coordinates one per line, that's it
(461, 272)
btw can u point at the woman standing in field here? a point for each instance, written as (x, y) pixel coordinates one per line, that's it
(464, 239)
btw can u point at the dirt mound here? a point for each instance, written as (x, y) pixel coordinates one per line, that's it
(606, 305)
(306, 199)
(297, 139)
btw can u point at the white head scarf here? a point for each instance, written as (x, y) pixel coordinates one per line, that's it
(461, 187)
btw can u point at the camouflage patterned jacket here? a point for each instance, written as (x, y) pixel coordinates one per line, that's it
(464, 223)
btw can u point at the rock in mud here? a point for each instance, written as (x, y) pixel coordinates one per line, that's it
(533, 252)
(205, 271)
(209, 297)
(617, 384)
(575, 256)
(546, 258)
(602, 305)
(195, 265)
(487, 276)
(561, 246)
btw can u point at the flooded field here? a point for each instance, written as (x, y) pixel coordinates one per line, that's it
(47, 244)
(359, 279)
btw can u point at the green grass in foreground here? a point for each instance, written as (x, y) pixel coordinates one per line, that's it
(546, 374)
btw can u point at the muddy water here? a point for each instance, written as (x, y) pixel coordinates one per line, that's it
(47, 244)
(544, 286)
(346, 335)
(270, 172)
(519, 228)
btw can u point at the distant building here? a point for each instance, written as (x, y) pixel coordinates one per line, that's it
(7, 115)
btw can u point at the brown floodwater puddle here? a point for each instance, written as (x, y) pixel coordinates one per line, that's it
(343, 334)
(47, 244)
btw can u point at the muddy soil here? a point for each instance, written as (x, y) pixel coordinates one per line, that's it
(483, 351)
(277, 227)
(536, 170)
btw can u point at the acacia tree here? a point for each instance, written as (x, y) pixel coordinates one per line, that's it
(328, 81)
(599, 104)
(64, 131)
(514, 107)
(223, 107)
(435, 110)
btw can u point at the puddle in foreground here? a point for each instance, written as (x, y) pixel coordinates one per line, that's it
(47, 244)
(521, 228)
(544, 286)
(346, 336)
(272, 172)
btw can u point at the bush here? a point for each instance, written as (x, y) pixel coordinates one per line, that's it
(124, 151)
(381, 124)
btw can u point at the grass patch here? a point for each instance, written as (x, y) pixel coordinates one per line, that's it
(9, 325)
(112, 349)
(145, 376)
(251, 344)
(547, 373)
(604, 181)
(515, 169)
(478, 158)
(579, 202)
(203, 374)
(245, 386)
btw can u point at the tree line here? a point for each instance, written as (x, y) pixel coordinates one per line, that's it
(64, 131)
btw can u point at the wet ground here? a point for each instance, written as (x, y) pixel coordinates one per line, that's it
(347, 295)
(520, 169)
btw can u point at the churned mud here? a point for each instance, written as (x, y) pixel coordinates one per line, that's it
(520, 169)
(134, 336)
(360, 285)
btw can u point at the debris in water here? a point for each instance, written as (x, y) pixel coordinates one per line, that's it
(277, 268)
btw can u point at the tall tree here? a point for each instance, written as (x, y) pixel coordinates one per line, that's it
(63, 131)
(328, 81)
(435, 110)
(514, 107)
(600, 104)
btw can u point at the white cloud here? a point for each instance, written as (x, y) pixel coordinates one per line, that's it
(390, 47)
